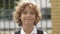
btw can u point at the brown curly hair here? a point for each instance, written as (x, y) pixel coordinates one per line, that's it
(21, 6)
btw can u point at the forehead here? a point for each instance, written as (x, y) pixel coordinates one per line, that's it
(29, 8)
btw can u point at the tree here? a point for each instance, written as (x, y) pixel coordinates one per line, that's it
(1, 3)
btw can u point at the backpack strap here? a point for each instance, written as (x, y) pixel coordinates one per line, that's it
(39, 32)
(18, 32)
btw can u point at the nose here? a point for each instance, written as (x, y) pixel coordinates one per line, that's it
(28, 15)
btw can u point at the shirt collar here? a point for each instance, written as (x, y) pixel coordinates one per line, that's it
(34, 31)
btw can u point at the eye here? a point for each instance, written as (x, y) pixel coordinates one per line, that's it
(24, 13)
(32, 13)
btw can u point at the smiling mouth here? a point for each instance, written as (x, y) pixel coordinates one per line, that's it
(28, 19)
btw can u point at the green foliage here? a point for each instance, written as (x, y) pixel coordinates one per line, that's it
(12, 3)
(1, 3)
(9, 4)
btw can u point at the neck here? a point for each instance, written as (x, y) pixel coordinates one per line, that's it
(28, 29)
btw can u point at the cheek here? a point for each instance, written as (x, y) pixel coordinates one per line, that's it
(22, 17)
(34, 18)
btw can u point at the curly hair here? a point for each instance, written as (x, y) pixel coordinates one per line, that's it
(21, 6)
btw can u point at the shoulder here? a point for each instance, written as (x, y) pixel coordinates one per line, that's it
(40, 31)
(17, 32)
(44, 32)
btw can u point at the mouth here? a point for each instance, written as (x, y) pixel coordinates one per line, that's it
(28, 19)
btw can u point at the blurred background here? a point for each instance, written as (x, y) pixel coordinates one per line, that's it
(8, 26)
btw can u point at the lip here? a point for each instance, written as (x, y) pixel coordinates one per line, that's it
(28, 19)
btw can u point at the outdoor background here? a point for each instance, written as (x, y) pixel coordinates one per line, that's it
(7, 25)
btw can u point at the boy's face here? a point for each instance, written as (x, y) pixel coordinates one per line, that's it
(28, 16)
